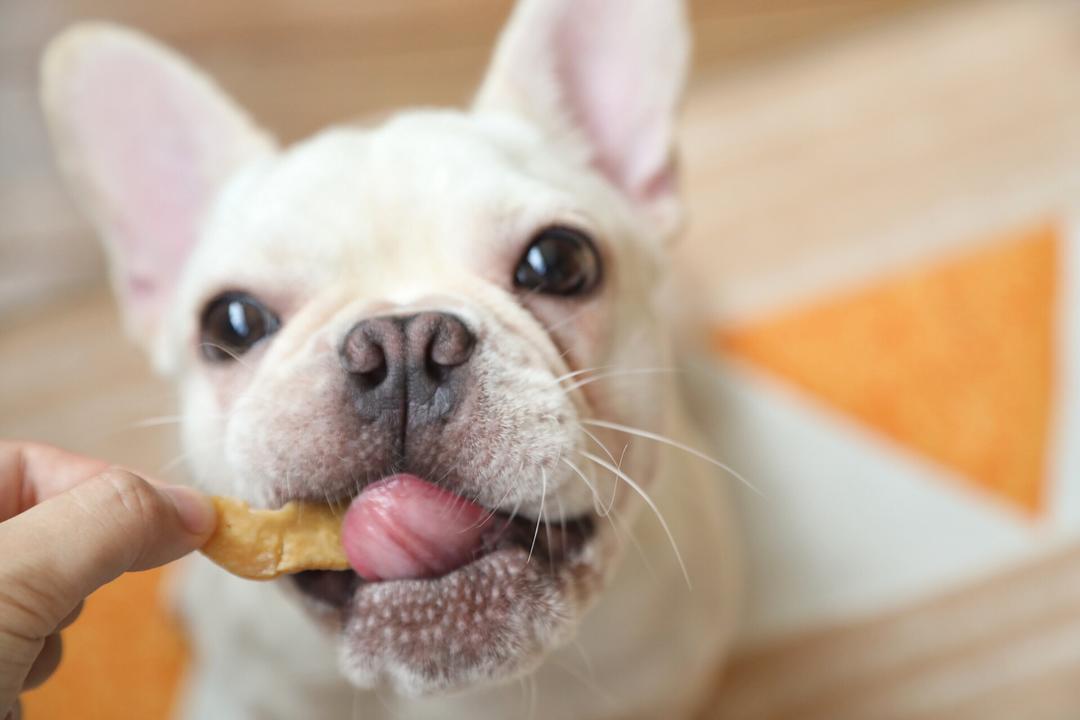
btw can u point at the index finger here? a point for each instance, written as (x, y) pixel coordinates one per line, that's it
(31, 472)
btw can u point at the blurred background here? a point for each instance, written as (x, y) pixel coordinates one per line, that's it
(883, 200)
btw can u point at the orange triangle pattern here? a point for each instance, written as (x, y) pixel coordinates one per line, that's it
(953, 361)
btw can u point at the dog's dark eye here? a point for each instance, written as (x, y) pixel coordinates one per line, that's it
(559, 261)
(232, 323)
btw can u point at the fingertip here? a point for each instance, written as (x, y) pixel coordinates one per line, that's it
(195, 510)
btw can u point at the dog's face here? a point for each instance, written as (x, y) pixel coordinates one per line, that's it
(446, 295)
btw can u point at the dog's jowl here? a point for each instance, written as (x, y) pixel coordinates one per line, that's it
(451, 323)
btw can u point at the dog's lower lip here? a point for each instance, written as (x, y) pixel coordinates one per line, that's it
(548, 546)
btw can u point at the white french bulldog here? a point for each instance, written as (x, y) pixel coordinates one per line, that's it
(460, 312)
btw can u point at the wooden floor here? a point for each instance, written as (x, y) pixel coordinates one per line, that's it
(795, 156)
(1007, 648)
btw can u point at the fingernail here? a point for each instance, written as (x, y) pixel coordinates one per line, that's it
(195, 509)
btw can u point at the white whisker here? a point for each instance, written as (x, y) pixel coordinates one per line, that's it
(562, 520)
(673, 443)
(619, 373)
(513, 515)
(615, 487)
(612, 518)
(288, 482)
(596, 440)
(173, 464)
(622, 456)
(547, 524)
(563, 321)
(494, 509)
(585, 659)
(629, 532)
(582, 371)
(227, 351)
(598, 506)
(540, 516)
(652, 506)
(157, 421)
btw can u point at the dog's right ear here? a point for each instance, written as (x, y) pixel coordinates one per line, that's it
(144, 140)
(602, 79)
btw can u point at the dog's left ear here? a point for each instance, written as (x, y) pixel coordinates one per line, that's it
(145, 141)
(602, 79)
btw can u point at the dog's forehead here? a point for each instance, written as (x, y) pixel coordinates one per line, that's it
(418, 177)
(429, 204)
(427, 192)
(424, 190)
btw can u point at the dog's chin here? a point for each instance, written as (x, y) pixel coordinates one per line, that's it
(489, 620)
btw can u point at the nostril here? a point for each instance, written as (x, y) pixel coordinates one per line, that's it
(373, 370)
(364, 357)
(361, 354)
(451, 344)
(436, 371)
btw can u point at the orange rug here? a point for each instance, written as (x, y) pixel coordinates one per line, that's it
(122, 658)
(953, 361)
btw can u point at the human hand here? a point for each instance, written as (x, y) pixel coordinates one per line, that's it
(68, 525)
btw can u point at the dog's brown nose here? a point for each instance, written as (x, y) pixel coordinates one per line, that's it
(407, 368)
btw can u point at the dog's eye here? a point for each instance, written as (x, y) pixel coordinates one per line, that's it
(232, 323)
(559, 261)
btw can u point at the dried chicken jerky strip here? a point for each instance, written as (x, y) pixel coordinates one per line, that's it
(263, 544)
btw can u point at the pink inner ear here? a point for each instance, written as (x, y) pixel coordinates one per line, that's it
(614, 96)
(140, 150)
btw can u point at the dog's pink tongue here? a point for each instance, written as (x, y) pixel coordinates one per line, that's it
(403, 527)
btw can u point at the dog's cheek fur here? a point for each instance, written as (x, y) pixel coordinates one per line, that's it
(295, 434)
(202, 435)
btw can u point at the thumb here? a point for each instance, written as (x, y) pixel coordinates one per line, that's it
(59, 551)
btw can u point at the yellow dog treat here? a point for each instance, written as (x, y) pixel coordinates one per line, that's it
(262, 544)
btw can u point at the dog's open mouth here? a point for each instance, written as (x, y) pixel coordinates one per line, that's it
(444, 591)
(403, 528)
